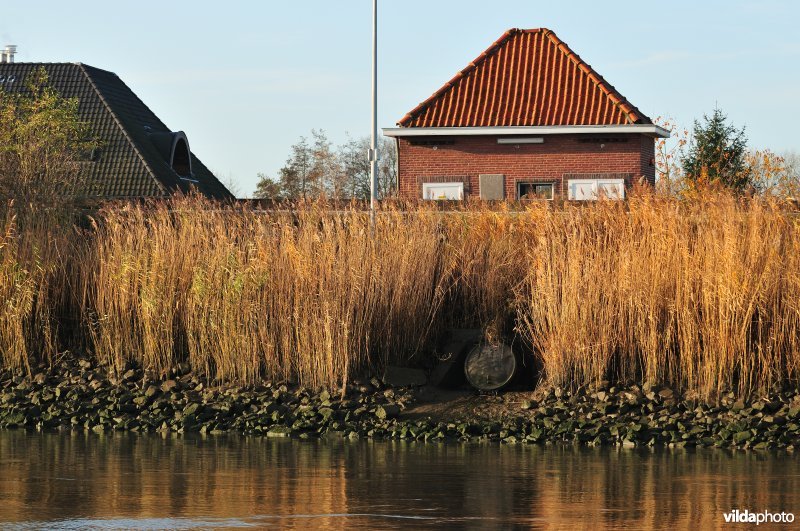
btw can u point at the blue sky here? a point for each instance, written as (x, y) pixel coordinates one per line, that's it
(245, 80)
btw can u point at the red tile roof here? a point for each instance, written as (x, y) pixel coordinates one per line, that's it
(526, 78)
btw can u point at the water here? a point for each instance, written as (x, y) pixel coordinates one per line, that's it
(79, 481)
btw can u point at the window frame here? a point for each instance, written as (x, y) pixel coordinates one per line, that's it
(427, 185)
(596, 188)
(534, 182)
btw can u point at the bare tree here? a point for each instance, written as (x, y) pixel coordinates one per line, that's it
(230, 182)
(792, 162)
(326, 172)
(355, 166)
(353, 155)
(296, 177)
(268, 188)
(387, 168)
(340, 172)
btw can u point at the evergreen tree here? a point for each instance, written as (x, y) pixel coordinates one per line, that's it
(717, 153)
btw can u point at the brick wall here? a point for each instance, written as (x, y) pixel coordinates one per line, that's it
(469, 156)
(648, 154)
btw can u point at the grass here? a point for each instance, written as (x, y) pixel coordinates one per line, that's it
(703, 295)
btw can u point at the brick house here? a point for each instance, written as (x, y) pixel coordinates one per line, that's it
(527, 119)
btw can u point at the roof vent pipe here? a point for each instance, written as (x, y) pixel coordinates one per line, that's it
(7, 55)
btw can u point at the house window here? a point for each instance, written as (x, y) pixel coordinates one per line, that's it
(529, 191)
(593, 189)
(443, 191)
(181, 159)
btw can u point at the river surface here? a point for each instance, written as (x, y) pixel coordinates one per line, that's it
(80, 481)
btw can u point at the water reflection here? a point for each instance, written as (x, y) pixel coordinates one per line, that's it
(133, 481)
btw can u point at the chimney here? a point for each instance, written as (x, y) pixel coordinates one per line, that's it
(7, 55)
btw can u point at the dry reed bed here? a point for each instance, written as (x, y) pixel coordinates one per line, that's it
(29, 268)
(701, 295)
(311, 297)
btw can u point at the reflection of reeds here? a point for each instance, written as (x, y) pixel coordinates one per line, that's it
(701, 294)
(53, 479)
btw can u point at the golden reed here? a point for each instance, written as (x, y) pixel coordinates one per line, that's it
(701, 294)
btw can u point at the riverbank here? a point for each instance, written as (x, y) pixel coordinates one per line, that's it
(77, 395)
(700, 294)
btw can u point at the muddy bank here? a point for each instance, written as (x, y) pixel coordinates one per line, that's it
(80, 396)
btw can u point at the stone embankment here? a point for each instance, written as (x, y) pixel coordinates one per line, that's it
(80, 396)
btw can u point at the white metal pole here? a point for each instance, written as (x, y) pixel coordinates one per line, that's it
(373, 147)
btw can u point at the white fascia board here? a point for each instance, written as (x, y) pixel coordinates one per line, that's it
(644, 129)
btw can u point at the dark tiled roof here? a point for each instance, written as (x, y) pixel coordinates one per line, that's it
(130, 163)
(526, 78)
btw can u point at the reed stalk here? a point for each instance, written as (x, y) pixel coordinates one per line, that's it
(701, 294)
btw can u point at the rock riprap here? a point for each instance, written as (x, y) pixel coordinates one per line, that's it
(77, 395)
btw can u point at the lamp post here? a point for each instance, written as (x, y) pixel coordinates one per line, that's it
(373, 146)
